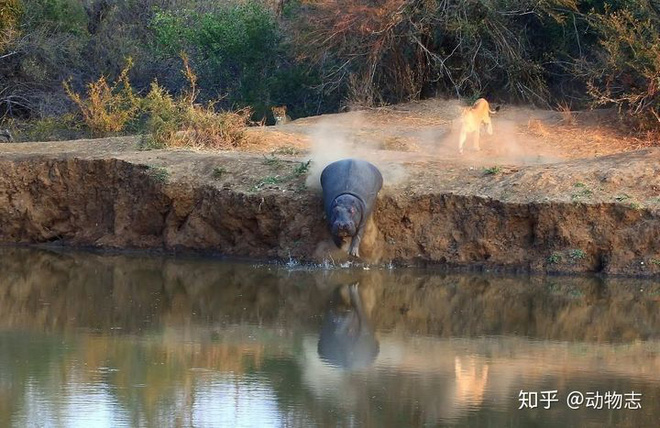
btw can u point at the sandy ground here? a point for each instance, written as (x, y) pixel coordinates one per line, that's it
(532, 155)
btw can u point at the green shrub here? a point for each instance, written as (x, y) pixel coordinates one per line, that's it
(235, 46)
(67, 16)
(52, 128)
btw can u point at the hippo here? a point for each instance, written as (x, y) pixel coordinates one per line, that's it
(347, 340)
(350, 187)
(5, 136)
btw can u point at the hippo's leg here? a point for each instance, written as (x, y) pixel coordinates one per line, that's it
(354, 250)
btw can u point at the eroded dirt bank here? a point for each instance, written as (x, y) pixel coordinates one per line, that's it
(598, 215)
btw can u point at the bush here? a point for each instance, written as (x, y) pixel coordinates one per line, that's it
(235, 45)
(626, 73)
(179, 121)
(318, 55)
(239, 50)
(396, 50)
(10, 11)
(107, 108)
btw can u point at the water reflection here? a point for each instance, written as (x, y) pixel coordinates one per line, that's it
(347, 339)
(89, 340)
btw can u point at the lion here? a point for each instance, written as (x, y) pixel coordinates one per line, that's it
(280, 115)
(471, 120)
(5, 136)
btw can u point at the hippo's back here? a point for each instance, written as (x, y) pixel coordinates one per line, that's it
(351, 176)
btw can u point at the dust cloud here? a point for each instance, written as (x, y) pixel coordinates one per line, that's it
(402, 140)
(350, 137)
(395, 137)
(518, 135)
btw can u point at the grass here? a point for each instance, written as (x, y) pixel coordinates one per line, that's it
(582, 192)
(625, 197)
(288, 151)
(655, 262)
(576, 254)
(299, 170)
(159, 173)
(655, 200)
(218, 172)
(272, 161)
(268, 181)
(492, 170)
(554, 258)
(302, 169)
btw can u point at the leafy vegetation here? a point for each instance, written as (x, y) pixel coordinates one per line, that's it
(576, 254)
(218, 172)
(159, 173)
(555, 258)
(315, 57)
(493, 170)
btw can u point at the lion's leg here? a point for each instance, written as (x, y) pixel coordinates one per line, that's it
(476, 140)
(461, 140)
(489, 127)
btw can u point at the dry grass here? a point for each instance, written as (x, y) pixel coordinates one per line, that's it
(399, 144)
(567, 115)
(180, 122)
(107, 108)
(537, 128)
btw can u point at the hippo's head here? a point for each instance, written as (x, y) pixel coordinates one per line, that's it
(345, 217)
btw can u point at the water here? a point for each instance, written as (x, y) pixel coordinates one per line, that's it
(110, 341)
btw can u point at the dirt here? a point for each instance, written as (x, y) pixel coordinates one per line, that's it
(549, 192)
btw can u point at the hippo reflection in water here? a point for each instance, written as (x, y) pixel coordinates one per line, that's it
(346, 338)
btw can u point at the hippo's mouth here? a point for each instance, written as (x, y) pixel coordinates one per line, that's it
(343, 229)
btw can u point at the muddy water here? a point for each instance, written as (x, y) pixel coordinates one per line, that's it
(89, 340)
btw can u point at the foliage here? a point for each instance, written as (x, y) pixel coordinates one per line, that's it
(181, 122)
(403, 49)
(158, 173)
(10, 11)
(576, 254)
(107, 108)
(218, 172)
(52, 128)
(493, 170)
(555, 258)
(68, 16)
(627, 71)
(318, 56)
(239, 51)
(302, 168)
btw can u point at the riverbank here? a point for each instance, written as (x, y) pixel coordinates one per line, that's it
(587, 215)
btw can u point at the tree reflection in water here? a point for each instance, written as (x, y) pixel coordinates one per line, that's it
(141, 341)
